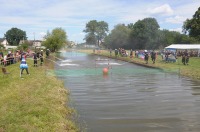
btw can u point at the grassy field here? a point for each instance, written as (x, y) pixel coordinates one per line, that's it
(35, 102)
(192, 70)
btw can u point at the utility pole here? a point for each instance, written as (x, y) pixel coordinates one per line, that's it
(34, 36)
(34, 41)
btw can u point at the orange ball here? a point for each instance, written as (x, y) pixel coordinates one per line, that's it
(105, 70)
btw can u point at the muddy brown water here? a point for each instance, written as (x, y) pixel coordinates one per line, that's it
(130, 98)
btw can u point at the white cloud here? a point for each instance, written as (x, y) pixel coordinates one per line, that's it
(176, 19)
(72, 15)
(161, 10)
(131, 14)
(187, 10)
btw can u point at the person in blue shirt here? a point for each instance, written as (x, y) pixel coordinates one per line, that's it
(23, 65)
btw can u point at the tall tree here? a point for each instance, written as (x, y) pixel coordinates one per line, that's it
(96, 31)
(119, 37)
(167, 37)
(144, 33)
(101, 32)
(14, 35)
(55, 40)
(192, 26)
(131, 26)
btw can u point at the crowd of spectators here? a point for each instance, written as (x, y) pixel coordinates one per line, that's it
(143, 54)
(122, 52)
(167, 55)
(11, 57)
(191, 53)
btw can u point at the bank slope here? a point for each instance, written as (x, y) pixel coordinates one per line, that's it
(36, 102)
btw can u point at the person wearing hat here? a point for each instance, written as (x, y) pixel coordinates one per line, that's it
(41, 57)
(47, 53)
(146, 56)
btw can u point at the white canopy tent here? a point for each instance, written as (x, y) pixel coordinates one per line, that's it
(192, 48)
(183, 47)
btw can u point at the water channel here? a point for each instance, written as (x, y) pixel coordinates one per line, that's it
(130, 98)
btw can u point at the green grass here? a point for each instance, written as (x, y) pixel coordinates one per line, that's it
(35, 102)
(192, 70)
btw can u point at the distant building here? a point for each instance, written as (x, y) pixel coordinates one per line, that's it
(31, 43)
(3, 42)
(90, 46)
(72, 44)
(37, 43)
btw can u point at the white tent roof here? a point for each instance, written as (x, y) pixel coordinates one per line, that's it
(183, 46)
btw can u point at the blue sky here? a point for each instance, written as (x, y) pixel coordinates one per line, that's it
(36, 17)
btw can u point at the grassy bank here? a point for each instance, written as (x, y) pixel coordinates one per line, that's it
(192, 70)
(35, 103)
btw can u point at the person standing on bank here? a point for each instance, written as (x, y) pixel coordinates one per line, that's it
(153, 56)
(146, 56)
(23, 65)
(34, 59)
(116, 53)
(131, 53)
(47, 53)
(110, 52)
(41, 57)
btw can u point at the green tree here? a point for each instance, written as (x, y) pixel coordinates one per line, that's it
(192, 26)
(14, 35)
(90, 29)
(144, 33)
(119, 37)
(101, 32)
(131, 26)
(90, 38)
(167, 37)
(96, 32)
(23, 46)
(55, 40)
(1, 47)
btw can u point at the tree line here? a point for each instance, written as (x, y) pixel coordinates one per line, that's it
(54, 40)
(144, 34)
